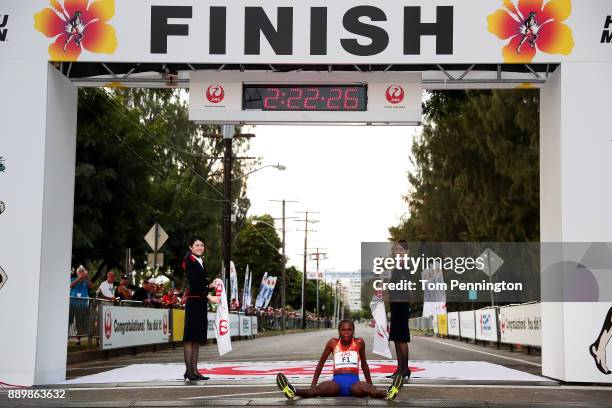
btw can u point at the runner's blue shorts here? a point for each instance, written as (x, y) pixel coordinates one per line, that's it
(345, 381)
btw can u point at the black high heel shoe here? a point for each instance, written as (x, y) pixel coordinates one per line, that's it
(188, 377)
(202, 378)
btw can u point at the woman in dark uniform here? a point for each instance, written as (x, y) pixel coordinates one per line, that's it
(400, 314)
(196, 321)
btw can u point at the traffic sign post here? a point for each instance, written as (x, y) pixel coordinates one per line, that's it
(492, 264)
(156, 238)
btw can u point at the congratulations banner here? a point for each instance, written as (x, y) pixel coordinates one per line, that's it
(133, 326)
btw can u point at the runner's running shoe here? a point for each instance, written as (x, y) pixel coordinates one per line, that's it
(284, 385)
(395, 387)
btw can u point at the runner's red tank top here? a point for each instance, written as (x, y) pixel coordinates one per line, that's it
(346, 358)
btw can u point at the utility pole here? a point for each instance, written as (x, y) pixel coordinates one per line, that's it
(228, 135)
(318, 256)
(284, 277)
(306, 221)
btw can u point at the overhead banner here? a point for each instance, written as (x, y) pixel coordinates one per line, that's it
(486, 324)
(313, 32)
(521, 324)
(133, 326)
(468, 325)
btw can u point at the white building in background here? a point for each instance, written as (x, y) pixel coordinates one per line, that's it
(351, 287)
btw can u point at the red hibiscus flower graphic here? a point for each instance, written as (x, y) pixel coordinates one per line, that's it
(532, 26)
(77, 25)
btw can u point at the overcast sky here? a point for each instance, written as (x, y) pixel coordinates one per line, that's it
(353, 176)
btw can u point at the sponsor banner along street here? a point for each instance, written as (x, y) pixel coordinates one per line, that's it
(521, 324)
(133, 326)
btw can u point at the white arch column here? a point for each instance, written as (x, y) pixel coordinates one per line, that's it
(576, 206)
(38, 110)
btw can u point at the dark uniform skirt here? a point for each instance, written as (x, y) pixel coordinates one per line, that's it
(400, 313)
(196, 320)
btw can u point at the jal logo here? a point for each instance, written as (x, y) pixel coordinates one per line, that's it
(394, 94)
(381, 332)
(223, 327)
(3, 28)
(165, 324)
(215, 93)
(107, 324)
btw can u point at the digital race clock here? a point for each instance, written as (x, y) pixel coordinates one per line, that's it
(300, 97)
(305, 97)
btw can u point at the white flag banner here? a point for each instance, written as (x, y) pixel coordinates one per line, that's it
(434, 301)
(261, 296)
(381, 338)
(222, 322)
(233, 281)
(270, 285)
(246, 291)
(250, 290)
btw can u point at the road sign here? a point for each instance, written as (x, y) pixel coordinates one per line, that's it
(472, 295)
(492, 262)
(313, 275)
(160, 259)
(162, 237)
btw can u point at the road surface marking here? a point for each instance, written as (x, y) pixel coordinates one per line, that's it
(487, 353)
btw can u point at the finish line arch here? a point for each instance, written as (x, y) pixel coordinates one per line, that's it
(564, 49)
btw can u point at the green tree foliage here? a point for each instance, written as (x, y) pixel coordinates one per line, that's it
(140, 160)
(476, 174)
(257, 244)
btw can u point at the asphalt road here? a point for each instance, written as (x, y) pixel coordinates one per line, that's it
(308, 346)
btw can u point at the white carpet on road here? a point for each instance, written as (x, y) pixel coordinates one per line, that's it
(302, 371)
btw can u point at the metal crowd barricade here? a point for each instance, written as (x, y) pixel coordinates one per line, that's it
(421, 323)
(84, 315)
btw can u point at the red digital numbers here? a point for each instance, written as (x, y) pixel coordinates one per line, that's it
(267, 100)
(314, 97)
(307, 98)
(350, 102)
(296, 97)
(335, 98)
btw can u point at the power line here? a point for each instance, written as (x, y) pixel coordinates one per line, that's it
(148, 162)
